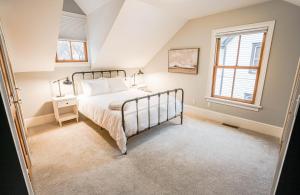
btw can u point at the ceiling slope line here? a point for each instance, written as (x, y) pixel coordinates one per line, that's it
(138, 33)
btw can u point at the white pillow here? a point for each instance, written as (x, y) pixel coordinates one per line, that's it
(117, 84)
(95, 87)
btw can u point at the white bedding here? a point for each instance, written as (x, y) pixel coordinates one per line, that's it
(96, 108)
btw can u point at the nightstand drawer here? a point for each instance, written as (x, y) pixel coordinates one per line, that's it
(65, 103)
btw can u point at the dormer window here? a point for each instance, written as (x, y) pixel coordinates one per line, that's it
(72, 44)
(71, 51)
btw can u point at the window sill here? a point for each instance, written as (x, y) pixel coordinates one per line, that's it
(234, 104)
(72, 64)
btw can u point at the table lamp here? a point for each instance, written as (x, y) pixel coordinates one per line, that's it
(66, 81)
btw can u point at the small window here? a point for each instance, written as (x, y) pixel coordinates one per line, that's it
(71, 51)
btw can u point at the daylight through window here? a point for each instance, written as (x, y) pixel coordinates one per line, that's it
(71, 51)
(237, 66)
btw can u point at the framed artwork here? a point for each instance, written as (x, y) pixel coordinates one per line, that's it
(183, 60)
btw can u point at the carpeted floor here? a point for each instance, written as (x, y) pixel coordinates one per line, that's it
(198, 157)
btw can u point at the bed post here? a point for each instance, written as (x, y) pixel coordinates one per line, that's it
(181, 118)
(74, 90)
(136, 100)
(181, 114)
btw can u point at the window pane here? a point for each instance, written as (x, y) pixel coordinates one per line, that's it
(250, 49)
(228, 50)
(63, 50)
(224, 81)
(244, 84)
(78, 51)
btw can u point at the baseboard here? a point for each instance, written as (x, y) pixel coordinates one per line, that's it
(39, 120)
(243, 123)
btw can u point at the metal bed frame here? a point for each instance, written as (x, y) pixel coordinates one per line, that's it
(94, 74)
(136, 100)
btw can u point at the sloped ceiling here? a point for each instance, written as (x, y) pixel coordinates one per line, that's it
(89, 6)
(197, 8)
(143, 27)
(71, 6)
(100, 22)
(129, 32)
(295, 2)
(139, 31)
(31, 30)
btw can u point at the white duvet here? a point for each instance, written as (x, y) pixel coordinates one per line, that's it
(96, 108)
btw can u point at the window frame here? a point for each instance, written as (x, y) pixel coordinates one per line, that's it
(255, 104)
(235, 67)
(72, 60)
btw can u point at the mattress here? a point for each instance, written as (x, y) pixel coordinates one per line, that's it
(96, 108)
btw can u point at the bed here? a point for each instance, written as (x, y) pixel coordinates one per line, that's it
(136, 110)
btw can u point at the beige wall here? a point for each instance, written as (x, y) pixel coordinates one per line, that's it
(37, 90)
(283, 59)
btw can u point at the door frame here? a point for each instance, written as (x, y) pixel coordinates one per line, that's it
(14, 100)
(285, 142)
(14, 135)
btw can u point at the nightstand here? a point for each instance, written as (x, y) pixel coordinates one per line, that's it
(65, 108)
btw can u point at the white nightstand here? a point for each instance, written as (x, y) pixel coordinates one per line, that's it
(65, 108)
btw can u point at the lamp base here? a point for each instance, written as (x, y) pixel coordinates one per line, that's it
(58, 96)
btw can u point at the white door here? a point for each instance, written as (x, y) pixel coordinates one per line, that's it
(292, 106)
(288, 124)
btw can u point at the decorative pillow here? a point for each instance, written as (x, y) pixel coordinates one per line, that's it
(117, 84)
(95, 87)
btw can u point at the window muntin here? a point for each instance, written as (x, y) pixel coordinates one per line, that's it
(63, 51)
(237, 66)
(71, 51)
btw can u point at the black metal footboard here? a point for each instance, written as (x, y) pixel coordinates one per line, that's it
(136, 100)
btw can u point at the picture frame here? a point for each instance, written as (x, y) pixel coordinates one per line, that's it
(184, 60)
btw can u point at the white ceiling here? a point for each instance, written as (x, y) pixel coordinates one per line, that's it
(296, 2)
(88, 6)
(138, 33)
(142, 27)
(187, 9)
(190, 9)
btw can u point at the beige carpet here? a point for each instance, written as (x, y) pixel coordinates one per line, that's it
(198, 157)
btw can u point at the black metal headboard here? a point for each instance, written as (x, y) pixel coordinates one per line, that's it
(96, 74)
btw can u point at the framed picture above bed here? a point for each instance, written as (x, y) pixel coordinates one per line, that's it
(183, 60)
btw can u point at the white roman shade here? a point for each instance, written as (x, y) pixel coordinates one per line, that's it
(73, 27)
(243, 31)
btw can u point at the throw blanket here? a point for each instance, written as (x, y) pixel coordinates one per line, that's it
(116, 105)
(97, 109)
